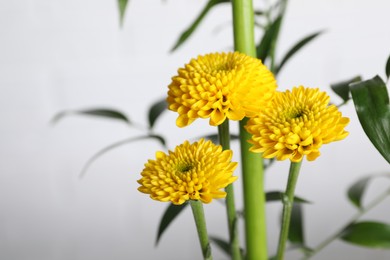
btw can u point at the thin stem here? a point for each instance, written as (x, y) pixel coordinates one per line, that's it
(200, 222)
(353, 219)
(288, 200)
(224, 140)
(252, 164)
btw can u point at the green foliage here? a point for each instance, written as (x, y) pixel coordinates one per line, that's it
(342, 88)
(299, 45)
(368, 234)
(155, 111)
(371, 102)
(170, 214)
(296, 233)
(272, 196)
(188, 32)
(122, 4)
(264, 47)
(99, 112)
(115, 145)
(388, 68)
(222, 244)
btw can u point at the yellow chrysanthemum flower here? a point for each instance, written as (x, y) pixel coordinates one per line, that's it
(195, 171)
(219, 86)
(296, 123)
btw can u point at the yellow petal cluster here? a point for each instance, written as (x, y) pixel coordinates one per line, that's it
(296, 123)
(219, 86)
(195, 171)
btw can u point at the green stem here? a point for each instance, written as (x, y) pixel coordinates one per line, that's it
(354, 218)
(288, 200)
(254, 200)
(252, 164)
(224, 140)
(197, 211)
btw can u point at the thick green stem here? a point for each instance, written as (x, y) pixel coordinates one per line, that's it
(254, 200)
(288, 200)
(224, 140)
(197, 211)
(252, 164)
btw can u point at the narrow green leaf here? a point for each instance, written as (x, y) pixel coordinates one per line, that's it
(115, 145)
(155, 111)
(222, 244)
(170, 214)
(371, 101)
(214, 138)
(272, 196)
(296, 234)
(299, 45)
(270, 34)
(342, 88)
(368, 234)
(187, 33)
(388, 68)
(122, 4)
(99, 112)
(356, 191)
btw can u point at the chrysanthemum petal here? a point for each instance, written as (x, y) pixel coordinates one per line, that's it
(295, 124)
(195, 171)
(219, 86)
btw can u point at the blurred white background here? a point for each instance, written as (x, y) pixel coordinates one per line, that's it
(57, 55)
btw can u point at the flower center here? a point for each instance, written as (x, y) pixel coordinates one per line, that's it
(184, 167)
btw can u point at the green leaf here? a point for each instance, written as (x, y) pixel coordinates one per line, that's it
(356, 191)
(342, 88)
(155, 111)
(99, 112)
(269, 36)
(170, 214)
(222, 244)
(272, 196)
(187, 33)
(215, 139)
(115, 145)
(388, 68)
(368, 234)
(371, 101)
(296, 48)
(296, 234)
(122, 4)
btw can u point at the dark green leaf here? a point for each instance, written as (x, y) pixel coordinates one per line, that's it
(155, 111)
(99, 112)
(222, 244)
(368, 234)
(269, 36)
(371, 101)
(295, 49)
(296, 235)
(278, 196)
(170, 214)
(115, 145)
(342, 88)
(388, 68)
(187, 33)
(122, 4)
(356, 191)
